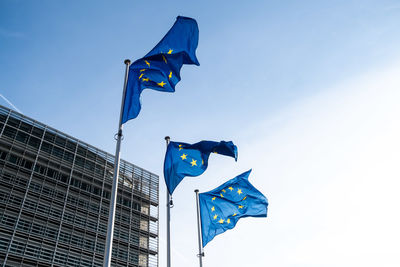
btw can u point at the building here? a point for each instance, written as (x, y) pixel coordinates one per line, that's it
(54, 200)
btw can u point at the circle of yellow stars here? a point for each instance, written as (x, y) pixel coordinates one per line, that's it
(146, 79)
(223, 191)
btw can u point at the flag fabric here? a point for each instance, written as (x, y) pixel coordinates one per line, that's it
(160, 68)
(183, 159)
(221, 208)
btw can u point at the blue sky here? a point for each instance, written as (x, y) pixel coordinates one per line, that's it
(306, 89)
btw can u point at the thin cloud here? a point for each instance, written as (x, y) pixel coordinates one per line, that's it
(11, 104)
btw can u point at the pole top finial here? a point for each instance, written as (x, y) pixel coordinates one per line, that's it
(196, 190)
(127, 62)
(167, 138)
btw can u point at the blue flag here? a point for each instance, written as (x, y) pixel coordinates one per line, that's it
(221, 208)
(160, 68)
(183, 159)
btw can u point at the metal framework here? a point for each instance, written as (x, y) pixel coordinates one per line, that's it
(55, 196)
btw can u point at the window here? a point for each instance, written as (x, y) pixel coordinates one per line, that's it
(71, 146)
(25, 127)
(3, 116)
(24, 225)
(28, 164)
(40, 169)
(14, 159)
(32, 251)
(81, 151)
(96, 191)
(142, 260)
(85, 187)
(75, 182)
(144, 225)
(46, 147)
(68, 157)
(60, 141)
(13, 122)
(145, 209)
(58, 152)
(37, 132)
(3, 155)
(63, 178)
(34, 142)
(61, 258)
(17, 247)
(4, 243)
(10, 132)
(106, 194)
(79, 161)
(46, 254)
(133, 258)
(49, 136)
(134, 238)
(143, 242)
(8, 220)
(22, 137)
(52, 173)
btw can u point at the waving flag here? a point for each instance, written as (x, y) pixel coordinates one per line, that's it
(183, 159)
(160, 68)
(221, 208)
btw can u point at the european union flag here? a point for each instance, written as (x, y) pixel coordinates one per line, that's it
(160, 68)
(183, 159)
(221, 208)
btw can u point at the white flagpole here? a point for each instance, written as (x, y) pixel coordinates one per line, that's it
(201, 253)
(114, 190)
(169, 202)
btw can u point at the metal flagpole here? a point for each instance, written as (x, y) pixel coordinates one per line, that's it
(201, 253)
(169, 202)
(114, 190)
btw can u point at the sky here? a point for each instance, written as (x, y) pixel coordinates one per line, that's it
(307, 90)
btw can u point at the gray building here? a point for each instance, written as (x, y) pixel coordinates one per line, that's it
(54, 200)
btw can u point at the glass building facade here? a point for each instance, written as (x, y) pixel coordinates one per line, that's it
(54, 201)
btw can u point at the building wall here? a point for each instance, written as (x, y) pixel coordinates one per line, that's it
(54, 201)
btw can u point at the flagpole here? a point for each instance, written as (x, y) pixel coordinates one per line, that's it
(201, 253)
(168, 219)
(114, 190)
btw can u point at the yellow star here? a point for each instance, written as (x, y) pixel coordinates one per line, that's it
(147, 63)
(239, 191)
(165, 60)
(240, 207)
(180, 147)
(170, 52)
(221, 195)
(223, 190)
(244, 198)
(193, 162)
(170, 75)
(213, 209)
(183, 156)
(141, 75)
(161, 84)
(142, 70)
(234, 214)
(230, 188)
(228, 221)
(145, 79)
(215, 216)
(213, 198)
(221, 221)
(215, 152)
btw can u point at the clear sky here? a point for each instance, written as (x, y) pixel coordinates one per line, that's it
(307, 90)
